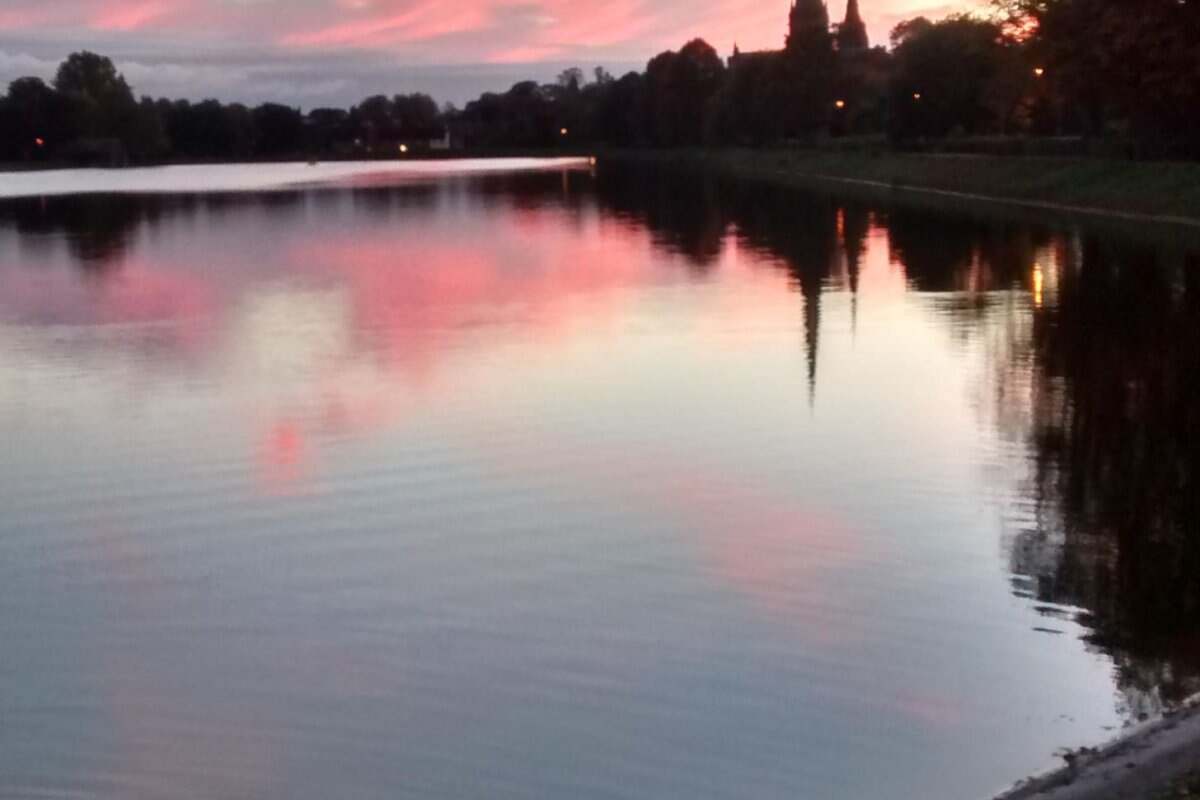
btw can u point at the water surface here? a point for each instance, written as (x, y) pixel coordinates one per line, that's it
(574, 484)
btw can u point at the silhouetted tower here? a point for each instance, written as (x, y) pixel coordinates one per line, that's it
(854, 225)
(811, 290)
(807, 23)
(852, 33)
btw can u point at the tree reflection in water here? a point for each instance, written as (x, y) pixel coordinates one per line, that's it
(1116, 370)
(1099, 378)
(1096, 365)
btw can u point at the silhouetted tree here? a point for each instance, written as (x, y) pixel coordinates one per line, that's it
(1123, 67)
(279, 130)
(942, 77)
(417, 116)
(620, 117)
(146, 139)
(373, 121)
(747, 110)
(209, 130)
(571, 79)
(523, 117)
(101, 101)
(326, 129)
(679, 89)
(37, 122)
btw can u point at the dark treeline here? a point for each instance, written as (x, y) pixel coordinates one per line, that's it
(89, 115)
(1125, 76)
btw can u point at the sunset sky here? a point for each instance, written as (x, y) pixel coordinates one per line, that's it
(315, 52)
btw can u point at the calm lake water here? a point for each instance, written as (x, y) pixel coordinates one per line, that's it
(582, 484)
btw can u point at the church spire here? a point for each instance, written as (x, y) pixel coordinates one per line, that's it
(852, 33)
(808, 23)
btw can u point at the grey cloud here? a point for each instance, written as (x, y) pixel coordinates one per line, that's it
(309, 81)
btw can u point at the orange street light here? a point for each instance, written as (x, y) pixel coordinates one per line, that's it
(1039, 71)
(403, 148)
(917, 96)
(564, 131)
(840, 104)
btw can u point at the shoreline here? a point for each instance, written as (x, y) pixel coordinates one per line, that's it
(18, 167)
(1139, 193)
(1141, 765)
(1045, 205)
(234, 178)
(1164, 194)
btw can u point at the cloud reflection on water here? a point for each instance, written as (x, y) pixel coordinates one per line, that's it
(349, 345)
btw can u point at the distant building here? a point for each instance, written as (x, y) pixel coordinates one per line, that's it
(808, 21)
(398, 141)
(833, 80)
(431, 141)
(740, 59)
(852, 33)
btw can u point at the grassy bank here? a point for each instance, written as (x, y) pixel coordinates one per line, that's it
(1187, 788)
(1084, 185)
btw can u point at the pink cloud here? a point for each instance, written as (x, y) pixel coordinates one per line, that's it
(600, 25)
(539, 30)
(429, 20)
(20, 18)
(466, 31)
(129, 16)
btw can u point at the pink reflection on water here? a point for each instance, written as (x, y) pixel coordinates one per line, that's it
(283, 457)
(410, 292)
(929, 710)
(162, 738)
(416, 301)
(779, 548)
(180, 301)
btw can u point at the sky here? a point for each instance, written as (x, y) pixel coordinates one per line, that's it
(335, 52)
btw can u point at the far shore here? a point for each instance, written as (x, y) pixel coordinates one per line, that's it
(1133, 191)
(228, 178)
(1121, 191)
(327, 158)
